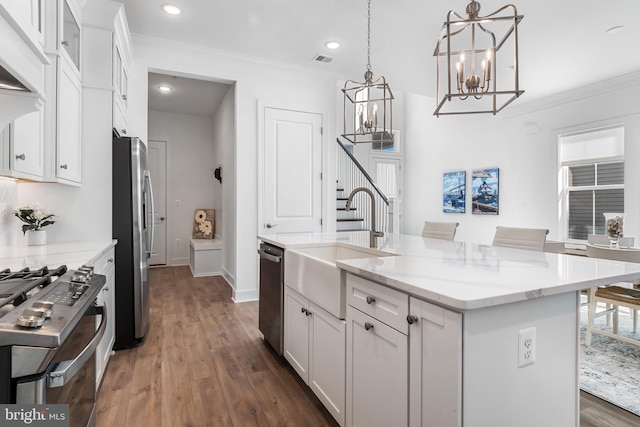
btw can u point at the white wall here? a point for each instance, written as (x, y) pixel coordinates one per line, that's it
(223, 193)
(529, 195)
(190, 163)
(257, 83)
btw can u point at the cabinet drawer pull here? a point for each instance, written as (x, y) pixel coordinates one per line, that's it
(368, 326)
(110, 260)
(105, 289)
(411, 319)
(305, 311)
(64, 43)
(124, 131)
(371, 300)
(63, 166)
(21, 157)
(124, 97)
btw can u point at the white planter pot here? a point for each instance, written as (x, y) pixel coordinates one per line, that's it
(36, 237)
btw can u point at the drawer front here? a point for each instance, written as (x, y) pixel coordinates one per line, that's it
(105, 263)
(380, 302)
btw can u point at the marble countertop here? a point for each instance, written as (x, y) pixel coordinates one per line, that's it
(466, 275)
(71, 254)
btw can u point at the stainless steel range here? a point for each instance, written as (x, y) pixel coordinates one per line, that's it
(49, 330)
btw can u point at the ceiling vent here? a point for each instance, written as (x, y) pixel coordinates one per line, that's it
(322, 58)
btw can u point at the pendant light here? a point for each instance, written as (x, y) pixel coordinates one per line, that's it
(367, 105)
(468, 53)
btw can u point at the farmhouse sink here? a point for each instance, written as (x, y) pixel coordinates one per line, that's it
(312, 272)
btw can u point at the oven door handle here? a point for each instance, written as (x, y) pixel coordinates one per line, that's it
(65, 370)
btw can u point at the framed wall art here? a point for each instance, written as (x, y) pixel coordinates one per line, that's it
(454, 192)
(485, 191)
(204, 224)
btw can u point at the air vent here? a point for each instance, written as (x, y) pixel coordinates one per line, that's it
(322, 58)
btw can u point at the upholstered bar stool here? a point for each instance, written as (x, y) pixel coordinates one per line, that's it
(532, 239)
(440, 230)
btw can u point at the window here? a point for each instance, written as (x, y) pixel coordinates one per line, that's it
(593, 166)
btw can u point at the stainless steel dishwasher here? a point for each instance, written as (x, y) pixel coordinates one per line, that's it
(271, 304)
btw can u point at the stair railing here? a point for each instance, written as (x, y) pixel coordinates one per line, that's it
(351, 175)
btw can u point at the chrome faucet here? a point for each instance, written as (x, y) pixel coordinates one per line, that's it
(373, 233)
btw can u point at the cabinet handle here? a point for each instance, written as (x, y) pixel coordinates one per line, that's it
(371, 300)
(21, 157)
(105, 289)
(368, 326)
(305, 311)
(124, 131)
(411, 319)
(63, 166)
(124, 97)
(110, 260)
(64, 43)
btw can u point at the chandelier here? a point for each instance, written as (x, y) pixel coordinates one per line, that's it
(367, 105)
(468, 63)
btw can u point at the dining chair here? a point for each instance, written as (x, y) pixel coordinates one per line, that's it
(440, 230)
(601, 239)
(532, 239)
(554, 247)
(613, 296)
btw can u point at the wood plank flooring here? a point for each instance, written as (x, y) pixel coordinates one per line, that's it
(204, 363)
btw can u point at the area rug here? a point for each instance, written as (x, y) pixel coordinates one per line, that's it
(610, 368)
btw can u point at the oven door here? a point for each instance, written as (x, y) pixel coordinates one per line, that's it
(71, 377)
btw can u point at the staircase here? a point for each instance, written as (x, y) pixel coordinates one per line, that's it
(350, 175)
(347, 220)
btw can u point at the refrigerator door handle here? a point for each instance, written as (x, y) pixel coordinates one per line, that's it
(147, 176)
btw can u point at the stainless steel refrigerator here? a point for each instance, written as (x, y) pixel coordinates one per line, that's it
(133, 228)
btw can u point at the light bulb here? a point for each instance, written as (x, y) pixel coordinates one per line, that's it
(171, 9)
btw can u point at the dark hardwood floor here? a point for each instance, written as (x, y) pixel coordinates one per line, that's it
(204, 363)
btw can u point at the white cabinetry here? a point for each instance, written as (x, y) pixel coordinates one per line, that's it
(121, 60)
(314, 344)
(69, 143)
(105, 265)
(377, 355)
(435, 366)
(23, 147)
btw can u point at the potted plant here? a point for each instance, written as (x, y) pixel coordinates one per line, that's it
(35, 218)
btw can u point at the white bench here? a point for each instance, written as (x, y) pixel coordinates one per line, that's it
(205, 257)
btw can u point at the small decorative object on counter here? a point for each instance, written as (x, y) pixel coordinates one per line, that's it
(35, 218)
(614, 224)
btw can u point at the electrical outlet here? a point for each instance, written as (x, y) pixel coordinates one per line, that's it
(526, 347)
(178, 242)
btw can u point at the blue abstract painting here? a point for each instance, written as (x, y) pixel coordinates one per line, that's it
(453, 192)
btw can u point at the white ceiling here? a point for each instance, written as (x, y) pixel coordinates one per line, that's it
(563, 44)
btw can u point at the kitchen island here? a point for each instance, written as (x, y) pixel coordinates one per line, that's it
(451, 333)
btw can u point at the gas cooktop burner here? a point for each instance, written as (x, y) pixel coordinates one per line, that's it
(40, 307)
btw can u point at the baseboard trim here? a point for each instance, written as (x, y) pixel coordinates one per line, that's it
(245, 296)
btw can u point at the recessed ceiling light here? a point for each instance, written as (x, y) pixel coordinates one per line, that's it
(171, 9)
(165, 88)
(332, 45)
(616, 29)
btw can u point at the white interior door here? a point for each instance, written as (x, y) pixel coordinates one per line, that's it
(157, 164)
(291, 172)
(386, 172)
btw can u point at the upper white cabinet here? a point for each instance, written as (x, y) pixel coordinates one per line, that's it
(23, 147)
(69, 143)
(121, 61)
(70, 35)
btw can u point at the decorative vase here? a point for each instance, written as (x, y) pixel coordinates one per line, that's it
(36, 237)
(614, 227)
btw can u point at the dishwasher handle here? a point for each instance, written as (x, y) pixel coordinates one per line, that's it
(268, 256)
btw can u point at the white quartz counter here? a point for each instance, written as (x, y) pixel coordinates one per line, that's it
(466, 276)
(71, 254)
